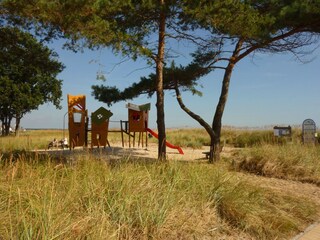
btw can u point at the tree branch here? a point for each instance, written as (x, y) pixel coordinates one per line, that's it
(266, 43)
(196, 117)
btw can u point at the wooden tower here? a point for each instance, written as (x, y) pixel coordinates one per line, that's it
(138, 120)
(77, 115)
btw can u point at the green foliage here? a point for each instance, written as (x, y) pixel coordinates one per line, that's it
(182, 77)
(299, 12)
(256, 20)
(28, 73)
(220, 16)
(125, 26)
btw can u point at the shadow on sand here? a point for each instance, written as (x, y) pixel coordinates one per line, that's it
(112, 155)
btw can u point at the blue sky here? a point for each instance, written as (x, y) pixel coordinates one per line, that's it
(264, 90)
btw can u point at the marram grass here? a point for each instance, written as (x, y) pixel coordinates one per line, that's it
(30, 140)
(194, 138)
(43, 199)
(295, 162)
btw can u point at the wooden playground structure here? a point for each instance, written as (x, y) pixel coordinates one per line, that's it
(77, 116)
(79, 130)
(138, 117)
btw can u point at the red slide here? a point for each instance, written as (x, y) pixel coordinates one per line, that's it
(167, 143)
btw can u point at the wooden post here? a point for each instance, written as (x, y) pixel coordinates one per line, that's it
(121, 133)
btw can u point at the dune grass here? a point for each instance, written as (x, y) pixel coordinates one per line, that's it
(88, 198)
(42, 198)
(194, 138)
(240, 138)
(30, 140)
(293, 161)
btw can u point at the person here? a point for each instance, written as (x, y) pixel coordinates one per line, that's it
(54, 143)
(64, 143)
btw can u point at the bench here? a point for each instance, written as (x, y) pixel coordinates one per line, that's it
(207, 154)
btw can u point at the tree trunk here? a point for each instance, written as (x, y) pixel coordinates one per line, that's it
(159, 85)
(17, 126)
(215, 148)
(7, 123)
(217, 120)
(200, 120)
(2, 126)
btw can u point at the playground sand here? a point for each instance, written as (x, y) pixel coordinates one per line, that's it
(116, 151)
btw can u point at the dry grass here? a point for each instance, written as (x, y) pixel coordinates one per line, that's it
(41, 198)
(294, 162)
(240, 138)
(193, 138)
(31, 139)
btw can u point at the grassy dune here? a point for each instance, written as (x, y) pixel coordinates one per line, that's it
(45, 200)
(294, 161)
(30, 140)
(41, 198)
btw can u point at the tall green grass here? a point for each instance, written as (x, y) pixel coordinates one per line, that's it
(88, 198)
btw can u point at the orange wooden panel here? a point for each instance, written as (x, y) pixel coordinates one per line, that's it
(138, 120)
(77, 115)
(99, 134)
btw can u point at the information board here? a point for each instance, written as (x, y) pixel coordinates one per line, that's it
(309, 131)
